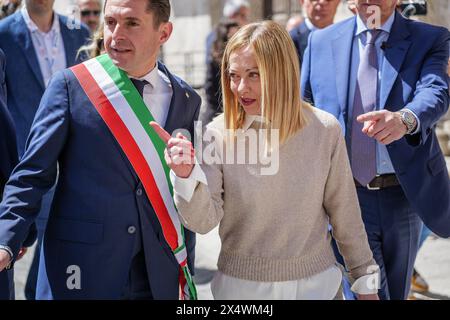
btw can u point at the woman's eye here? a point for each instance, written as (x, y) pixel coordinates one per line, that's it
(234, 76)
(254, 75)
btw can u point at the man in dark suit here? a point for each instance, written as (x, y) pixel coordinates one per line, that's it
(318, 15)
(384, 78)
(105, 238)
(37, 42)
(8, 159)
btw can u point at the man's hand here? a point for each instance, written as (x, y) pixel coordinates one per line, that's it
(384, 126)
(4, 259)
(368, 297)
(22, 252)
(179, 153)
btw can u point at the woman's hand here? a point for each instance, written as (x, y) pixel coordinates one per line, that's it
(179, 153)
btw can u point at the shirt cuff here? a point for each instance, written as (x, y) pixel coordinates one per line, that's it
(368, 284)
(185, 187)
(417, 119)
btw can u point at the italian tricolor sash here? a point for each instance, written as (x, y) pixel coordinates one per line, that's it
(126, 115)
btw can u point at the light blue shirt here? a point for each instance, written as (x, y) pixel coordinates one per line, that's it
(384, 164)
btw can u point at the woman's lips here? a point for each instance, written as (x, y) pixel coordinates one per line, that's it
(247, 102)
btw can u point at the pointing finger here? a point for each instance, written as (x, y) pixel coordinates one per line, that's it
(163, 134)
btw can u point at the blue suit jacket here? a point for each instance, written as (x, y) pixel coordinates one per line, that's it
(8, 147)
(8, 159)
(96, 198)
(23, 75)
(414, 76)
(300, 37)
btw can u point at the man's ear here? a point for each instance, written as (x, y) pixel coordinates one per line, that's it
(165, 30)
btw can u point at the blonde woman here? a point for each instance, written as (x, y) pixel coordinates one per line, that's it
(273, 226)
(95, 47)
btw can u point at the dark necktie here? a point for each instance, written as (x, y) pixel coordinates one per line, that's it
(139, 84)
(363, 148)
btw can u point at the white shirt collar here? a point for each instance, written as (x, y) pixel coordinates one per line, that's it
(152, 77)
(386, 27)
(33, 27)
(249, 119)
(310, 25)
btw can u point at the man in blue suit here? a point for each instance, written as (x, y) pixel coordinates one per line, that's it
(27, 70)
(8, 159)
(384, 78)
(37, 42)
(319, 15)
(103, 239)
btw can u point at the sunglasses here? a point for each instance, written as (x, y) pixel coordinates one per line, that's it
(86, 13)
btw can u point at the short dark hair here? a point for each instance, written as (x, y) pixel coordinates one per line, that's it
(160, 8)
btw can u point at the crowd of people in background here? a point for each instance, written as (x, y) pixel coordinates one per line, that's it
(386, 188)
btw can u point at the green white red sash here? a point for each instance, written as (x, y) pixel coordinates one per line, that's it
(126, 115)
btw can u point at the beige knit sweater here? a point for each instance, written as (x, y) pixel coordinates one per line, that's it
(275, 227)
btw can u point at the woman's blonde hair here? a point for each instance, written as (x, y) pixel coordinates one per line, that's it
(95, 47)
(279, 70)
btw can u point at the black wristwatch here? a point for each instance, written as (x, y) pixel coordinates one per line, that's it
(409, 120)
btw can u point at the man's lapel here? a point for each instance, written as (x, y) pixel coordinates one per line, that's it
(69, 42)
(395, 52)
(23, 37)
(304, 34)
(342, 46)
(177, 110)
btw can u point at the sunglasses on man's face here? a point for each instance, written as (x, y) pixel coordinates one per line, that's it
(86, 13)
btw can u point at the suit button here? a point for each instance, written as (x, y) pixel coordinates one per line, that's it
(131, 229)
(139, 192)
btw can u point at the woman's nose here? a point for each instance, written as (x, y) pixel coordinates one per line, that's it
(243, 87)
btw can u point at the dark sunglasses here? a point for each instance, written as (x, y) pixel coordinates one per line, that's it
(86, 13)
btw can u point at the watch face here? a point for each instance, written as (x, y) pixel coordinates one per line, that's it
(409, 120)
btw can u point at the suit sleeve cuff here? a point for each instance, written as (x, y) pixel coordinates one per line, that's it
(185, 187)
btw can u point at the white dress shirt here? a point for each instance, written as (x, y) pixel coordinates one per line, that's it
(322, 286)
(49, 47)
(310, 25)
(157, 94)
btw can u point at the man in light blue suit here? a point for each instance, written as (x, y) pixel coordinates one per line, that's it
(103, 239)
(37, 42)
(384, 78)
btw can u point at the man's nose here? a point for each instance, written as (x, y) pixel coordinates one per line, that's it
(118, 32)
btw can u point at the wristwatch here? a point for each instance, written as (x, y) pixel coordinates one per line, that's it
(409, 120)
